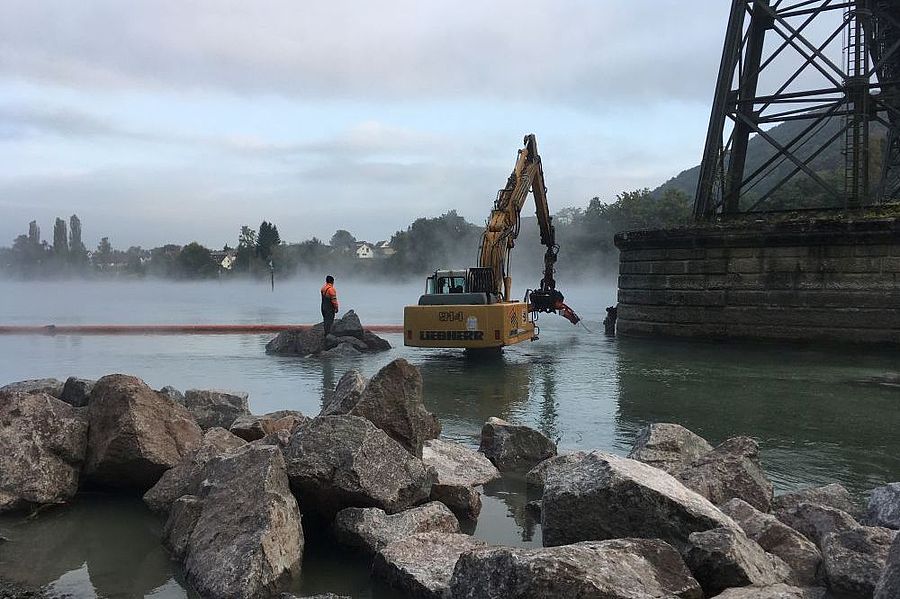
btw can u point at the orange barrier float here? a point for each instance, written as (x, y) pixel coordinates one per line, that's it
(169, 329)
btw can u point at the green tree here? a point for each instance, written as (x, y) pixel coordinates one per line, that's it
(431, 243)
(60, 240)
(343, 241)
(77, 251)
(267, 239)
(246, 249)
(196, 262)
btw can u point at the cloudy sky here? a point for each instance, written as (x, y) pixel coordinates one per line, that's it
(181, 120)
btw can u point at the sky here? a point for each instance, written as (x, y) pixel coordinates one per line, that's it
(181, 120)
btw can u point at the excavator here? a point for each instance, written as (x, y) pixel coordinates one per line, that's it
(472, 308)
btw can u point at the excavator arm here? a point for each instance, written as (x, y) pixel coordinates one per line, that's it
(503, 228)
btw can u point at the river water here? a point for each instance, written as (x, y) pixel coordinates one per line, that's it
(820, 414)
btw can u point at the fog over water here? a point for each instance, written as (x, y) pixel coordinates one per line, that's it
(819, 414)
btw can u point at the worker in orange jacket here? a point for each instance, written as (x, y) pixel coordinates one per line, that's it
(329, 303)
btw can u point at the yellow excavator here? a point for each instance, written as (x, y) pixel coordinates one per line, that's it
(472, 308)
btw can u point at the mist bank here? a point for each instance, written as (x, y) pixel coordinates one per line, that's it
(585, 239)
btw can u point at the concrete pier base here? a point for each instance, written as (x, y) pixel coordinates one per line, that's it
(829, 280)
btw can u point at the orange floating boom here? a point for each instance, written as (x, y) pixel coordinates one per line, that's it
(169, 329)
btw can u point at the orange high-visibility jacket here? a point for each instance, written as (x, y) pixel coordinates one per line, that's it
(328, 291)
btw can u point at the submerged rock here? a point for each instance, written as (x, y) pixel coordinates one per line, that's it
(336, 462)
(42, 447)
(393, 402)
(730, 470)
(779, 539)
(854, 559)
(513, 447)
(186, 476)
(346, 334)
(456, 471)
(615, 569)
(135, 433)
(250, 551)
(889, 584)
(76, 391)
(833, 496)
(605, 496)
(52, 387)
(371, 529)
(537, 476)
(331, 342)
(814, 521)
(883, 508)
(251, 427)
(422, 565)
(346, 394)
(212, 407)
(668, 446)
(723, 558)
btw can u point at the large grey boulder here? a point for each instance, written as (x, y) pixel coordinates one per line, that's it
(336, 462)
(135, 434)
(537, 476)
(615, 569)
(346, 333)
(456, 471)
(421, 565)
(76, 391)
(393, 402)
(342, 350)
(251, 427)
(723, 558)
(52, 387)
(247, 539)
(347, 394)
(833, 495)
(347, 326)
(883, 508)
(331, 342)
(814, 521)
(730, 470)
(371, 529)
(183, 516)
(668, 446)
(298, 342)
(604, 496)
(779, 539)
(211, 407)
(775, 591)
(42, 447)
(186, 476)
(888, 586)
(854, 559)
(172, 393)
(513, 447)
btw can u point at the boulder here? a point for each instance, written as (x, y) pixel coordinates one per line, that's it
(456, 471)
(280, 438)
(250, 551)
(814, 521)
(251, 427)
(888, 586)
(185, 477)
(393, 402)
(42, 447)
(604, 496)
(421, 565)
(172, 393)
(668, 446)
(854, 559)
(730, 470)
(212, 407)
(536, 477)
(374, 342)
(883, 508)
(298, 342)
(833, 495)
(514, 447)
(346, 394)
(336, 462)
(76, 391)
(135, 434)
(331, 341)
(779, 539)
(52, 387)
(615, 569)
(775, 591)
(371, 529)
(723, 558)
(344, 350)
(183, 516)
(347, 326)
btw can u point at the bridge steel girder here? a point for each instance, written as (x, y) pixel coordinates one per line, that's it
(863, 87)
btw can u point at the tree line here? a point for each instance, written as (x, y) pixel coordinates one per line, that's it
(447, 241)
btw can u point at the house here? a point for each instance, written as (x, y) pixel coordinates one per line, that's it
(364, 250)
(383, 249)
(224, 258)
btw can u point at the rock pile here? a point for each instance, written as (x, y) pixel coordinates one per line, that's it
(347, 338)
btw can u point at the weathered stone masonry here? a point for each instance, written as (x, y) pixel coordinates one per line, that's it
(816, 280)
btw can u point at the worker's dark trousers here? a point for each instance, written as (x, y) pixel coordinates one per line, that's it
(328, 319)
